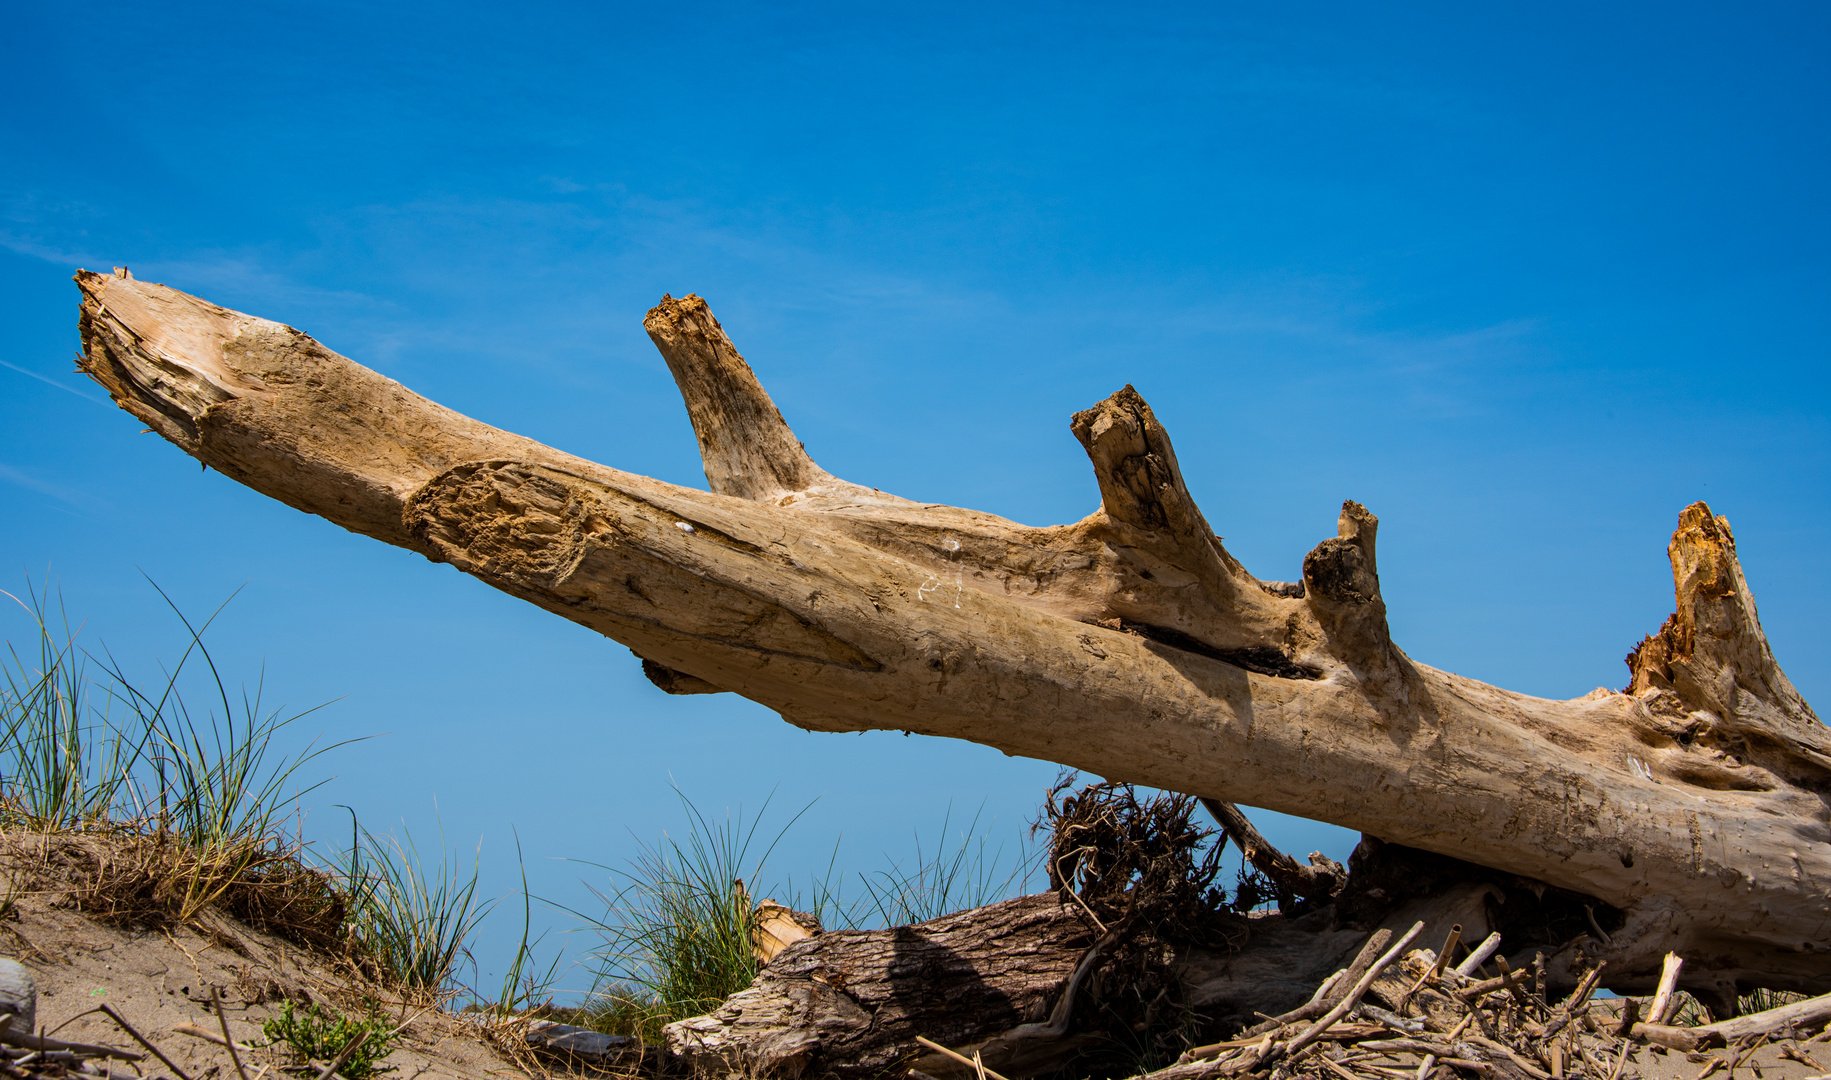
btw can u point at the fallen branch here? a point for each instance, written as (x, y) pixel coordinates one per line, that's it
(1153, 653)
(1798, 1014)
(27, 1041)
(1320, 880)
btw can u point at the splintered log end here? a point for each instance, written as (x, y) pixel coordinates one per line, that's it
(1712, 644)
(1341, 584)
(1340, 572)
(159, 352)
(1140, 482)
(749, 451)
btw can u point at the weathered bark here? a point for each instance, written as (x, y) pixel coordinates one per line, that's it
(1023, 983)
(851, 1002)
(1129, 644)
(990, 980)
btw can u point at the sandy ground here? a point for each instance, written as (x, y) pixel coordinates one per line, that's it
(163, 981)
(160, 980)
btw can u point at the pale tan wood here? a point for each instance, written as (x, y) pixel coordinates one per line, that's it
(1129, 644)
(1665, 995)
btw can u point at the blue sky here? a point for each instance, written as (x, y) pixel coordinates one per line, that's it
(1524, 282)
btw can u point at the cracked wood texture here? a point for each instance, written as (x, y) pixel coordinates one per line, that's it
(1129, 644)
(850, 1003)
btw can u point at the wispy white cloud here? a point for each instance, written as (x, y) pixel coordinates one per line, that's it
(48, 381)
(43, 225)
(80, 500)
(49, 251)
(517, 278)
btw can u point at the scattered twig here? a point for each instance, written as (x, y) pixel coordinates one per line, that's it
(144, 1041)
(1324, 997)
(1519, 994)
(1502, 1048)
(216, 992)
(1746, 1054)
(44, 1044)
(1510, 981)
(1450, 941)
(1664, 998)
(1353, 996)
(1258, 1056)
(195, 1032)
(1472, 963)
(1574, 1003)
(1621, 1060)
(361, 1037)
(1391, 1020)
(961, 1058)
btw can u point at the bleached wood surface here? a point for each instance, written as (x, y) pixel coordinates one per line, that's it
(1129, 644)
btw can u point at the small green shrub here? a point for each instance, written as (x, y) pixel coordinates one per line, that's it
(320, 1035)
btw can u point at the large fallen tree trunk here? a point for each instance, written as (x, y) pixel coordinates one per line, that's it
(1129, 644)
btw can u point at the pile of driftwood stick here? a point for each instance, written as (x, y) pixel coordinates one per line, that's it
(1395, 1014)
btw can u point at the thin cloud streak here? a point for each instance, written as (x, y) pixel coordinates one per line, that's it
(48, 381)
(79, 499)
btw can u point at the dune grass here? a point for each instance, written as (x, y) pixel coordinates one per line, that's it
(408, 919)
(62, 767)
(185, 772)
(953, 875)
(85, 747)
(675, 938)
(197, 798)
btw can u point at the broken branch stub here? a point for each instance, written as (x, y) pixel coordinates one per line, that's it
(1129, 644)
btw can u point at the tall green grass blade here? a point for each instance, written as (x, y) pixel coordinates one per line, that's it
(409, 917)
(953, 876)
(61, 766)
(676, 937)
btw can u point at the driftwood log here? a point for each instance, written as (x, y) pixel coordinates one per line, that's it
(851, 1003)
(989, 981)
(1129, 644)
